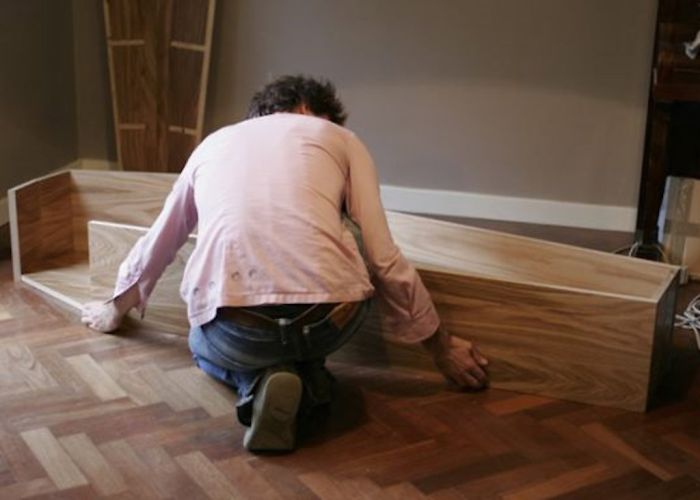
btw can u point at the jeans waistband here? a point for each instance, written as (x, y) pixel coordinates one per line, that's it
(338, 313)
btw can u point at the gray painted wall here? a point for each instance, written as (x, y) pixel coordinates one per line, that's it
(37, 89)
(92, 93)
(530, 98)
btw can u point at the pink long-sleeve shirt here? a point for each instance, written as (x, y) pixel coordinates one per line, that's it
(267, 195)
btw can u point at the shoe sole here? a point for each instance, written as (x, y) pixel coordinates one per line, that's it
(274, 414)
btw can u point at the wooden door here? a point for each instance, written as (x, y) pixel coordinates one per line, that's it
(159, 53)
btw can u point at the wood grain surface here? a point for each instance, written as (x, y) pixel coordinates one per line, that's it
(556, 320)
(40, 217)
(563, 343)
(125, 197)
(158, 53)
(49, 214)
(67, 281)
(454, 248)
(109, 245)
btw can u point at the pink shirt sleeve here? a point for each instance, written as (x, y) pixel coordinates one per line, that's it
(408, 310)
(154, 251)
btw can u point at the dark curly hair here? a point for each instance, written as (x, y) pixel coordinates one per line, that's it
(287, 93)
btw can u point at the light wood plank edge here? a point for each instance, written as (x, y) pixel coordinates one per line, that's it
(581, 291)
(670, 270)
(14, 235)
(204, 76)
(553, 244)
(112, 82)
(14, 218)
(73, 304)
(136, 42)
(183, 130)
(92, 223)
(195, 47)
(435, 269)
(39, 180)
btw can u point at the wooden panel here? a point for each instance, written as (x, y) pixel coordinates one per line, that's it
(136, 154)
(67, 281)
(126, 197)
(180, 147)
(109, 245)
(453, 248)
(184, 88)
(135, 94)
(159, 53)
(125, 19)
(134, 85)
(565, 343)
(189, 21)
(556, 320)
(41, 219)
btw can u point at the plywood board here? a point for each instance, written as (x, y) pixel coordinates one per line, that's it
(453, 248)
(555, 341)
(67, 281)
(555, 320)
(159, 54)
(129, 198)
(41, 220)
(109, 245)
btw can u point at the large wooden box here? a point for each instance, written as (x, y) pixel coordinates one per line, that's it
(554, 320)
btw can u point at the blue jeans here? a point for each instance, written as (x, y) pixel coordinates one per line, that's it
(239, 355)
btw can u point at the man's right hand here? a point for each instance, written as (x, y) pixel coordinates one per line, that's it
(458, 359)
(104, 317)
(107, 316)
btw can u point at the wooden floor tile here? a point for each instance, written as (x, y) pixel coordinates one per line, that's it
(56, 462)
(207, 476)
(106, 479)
(96, 377)
(4, 314)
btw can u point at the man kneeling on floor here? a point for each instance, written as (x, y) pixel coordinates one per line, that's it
(276, 282)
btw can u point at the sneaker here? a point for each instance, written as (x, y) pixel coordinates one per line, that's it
(273, 427)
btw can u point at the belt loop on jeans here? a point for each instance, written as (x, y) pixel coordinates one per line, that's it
(284, 323)
(305, 331)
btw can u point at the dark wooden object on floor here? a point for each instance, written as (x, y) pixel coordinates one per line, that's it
(159, 53)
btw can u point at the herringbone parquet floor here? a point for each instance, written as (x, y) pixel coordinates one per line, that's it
(84, 415)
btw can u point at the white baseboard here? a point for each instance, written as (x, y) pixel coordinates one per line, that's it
(461, 204)
(79, 164)
(506, 208)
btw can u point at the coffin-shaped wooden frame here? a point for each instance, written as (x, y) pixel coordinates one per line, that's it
(554, 320)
